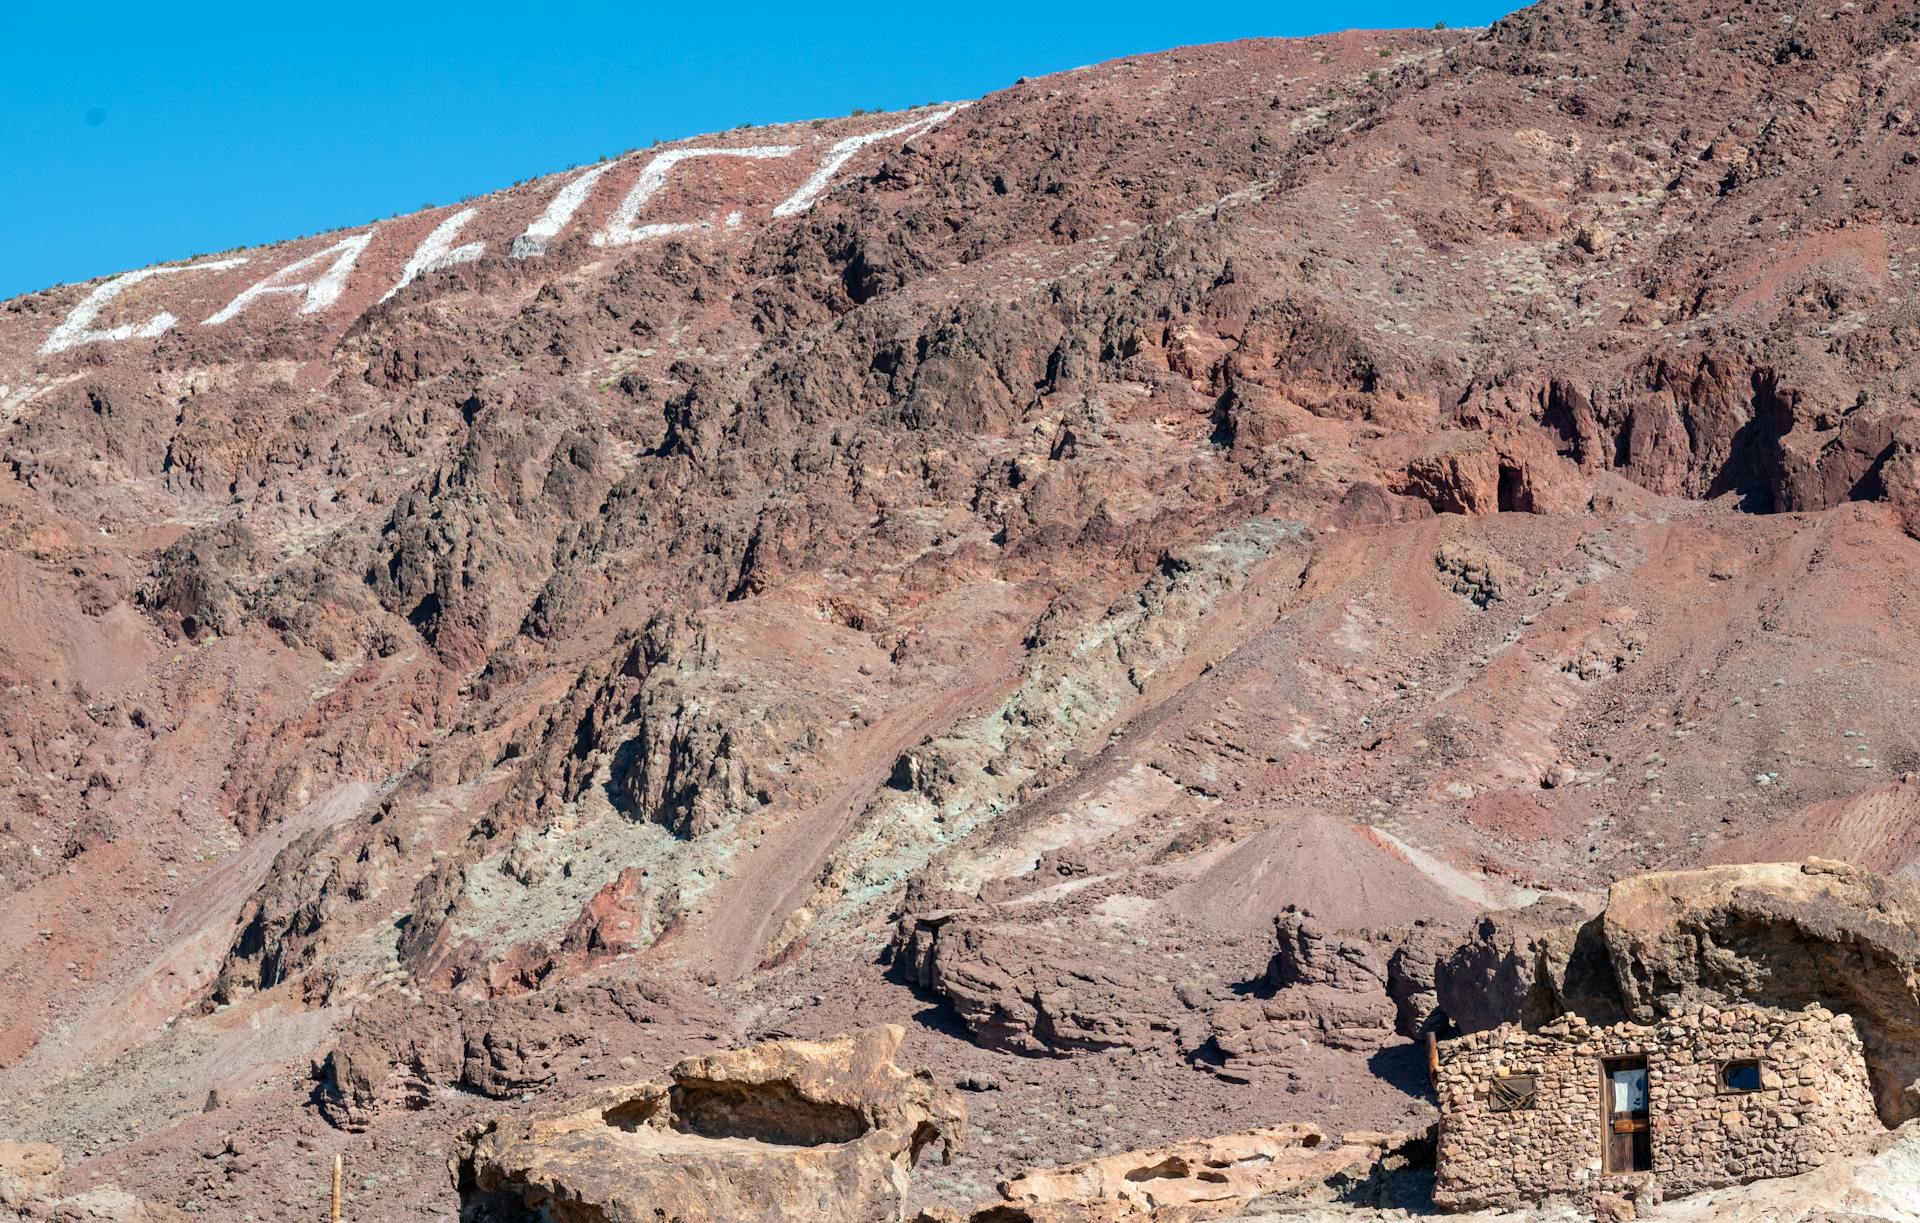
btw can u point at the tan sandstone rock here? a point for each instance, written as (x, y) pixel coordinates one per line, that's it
(1205, 1178)
(782, 1130)
(29, 1161)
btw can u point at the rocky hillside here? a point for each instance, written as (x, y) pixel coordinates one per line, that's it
(973, 568)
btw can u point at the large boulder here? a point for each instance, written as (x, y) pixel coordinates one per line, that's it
(1357, 990)
(1778, 934)
(1045, 980)
(784, 1130)
(1785, 934)
(398, 1050)
(1058, 984)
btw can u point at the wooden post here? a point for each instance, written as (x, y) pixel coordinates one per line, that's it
(1433, 1059)
(336, 1189)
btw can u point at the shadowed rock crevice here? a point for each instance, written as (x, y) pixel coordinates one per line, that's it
(776, 1112)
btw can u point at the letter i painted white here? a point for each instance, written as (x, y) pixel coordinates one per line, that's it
(843, 152)
(439, 252)
(547, 226)
(74, 332)
(321, 293)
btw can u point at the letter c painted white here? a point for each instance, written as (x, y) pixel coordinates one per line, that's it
(621, 230)
(74, 330)
(322, 293)
(843, 152)
(438, 251)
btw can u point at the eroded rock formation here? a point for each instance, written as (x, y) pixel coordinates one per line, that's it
(773, 1132)
(30, 1189)
(1018, 987)
(1206, 1178)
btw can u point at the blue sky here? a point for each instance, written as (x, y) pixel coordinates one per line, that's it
(131, 134)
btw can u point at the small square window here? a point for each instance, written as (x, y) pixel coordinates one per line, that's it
(1740, 1076)
(1511, 1095)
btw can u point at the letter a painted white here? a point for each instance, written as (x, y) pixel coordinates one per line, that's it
(74, 332)
(621, 230)
(439, 252)
(842, 153)
(320, 294)
(547, 226)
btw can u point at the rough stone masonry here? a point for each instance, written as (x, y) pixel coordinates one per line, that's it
(1522, 1114)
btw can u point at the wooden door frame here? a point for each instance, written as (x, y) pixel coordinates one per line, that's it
(1608, 1065)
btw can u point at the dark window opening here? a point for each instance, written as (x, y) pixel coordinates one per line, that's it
(1742, 1075)
(1512, 1094)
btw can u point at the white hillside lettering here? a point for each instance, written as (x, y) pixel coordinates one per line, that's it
(621, 230)
(321, 292)
(74, 331)
(438, 251)
(841, 153)
(547, 226)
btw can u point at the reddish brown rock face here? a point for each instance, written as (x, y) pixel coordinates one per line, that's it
(1390, 474)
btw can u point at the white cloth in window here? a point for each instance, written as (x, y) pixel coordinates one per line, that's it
(1629, 1091)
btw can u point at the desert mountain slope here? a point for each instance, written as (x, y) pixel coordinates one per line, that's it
(1391, 474)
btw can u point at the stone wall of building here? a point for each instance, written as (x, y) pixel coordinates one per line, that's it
(1814, 1102)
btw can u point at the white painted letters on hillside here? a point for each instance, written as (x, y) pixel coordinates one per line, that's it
(547, 226)
(843, 152)
(438, 251)
(621, 230)
(74, 331)
(321, 293)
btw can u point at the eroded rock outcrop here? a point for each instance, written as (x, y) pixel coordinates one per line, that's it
(1025, 989)
(1321, 989)
(1781, 933)
(1205, 1178)
(776, 1131)
(397, 1051)
(1529, 965)
(1351, 990)
(30, 1189)
(1052, 980)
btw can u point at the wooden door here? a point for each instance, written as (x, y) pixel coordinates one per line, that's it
(1628, 1119)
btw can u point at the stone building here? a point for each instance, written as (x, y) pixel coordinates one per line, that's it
(1706, 1097)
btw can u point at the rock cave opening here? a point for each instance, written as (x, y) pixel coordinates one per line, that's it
(778, 1113)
